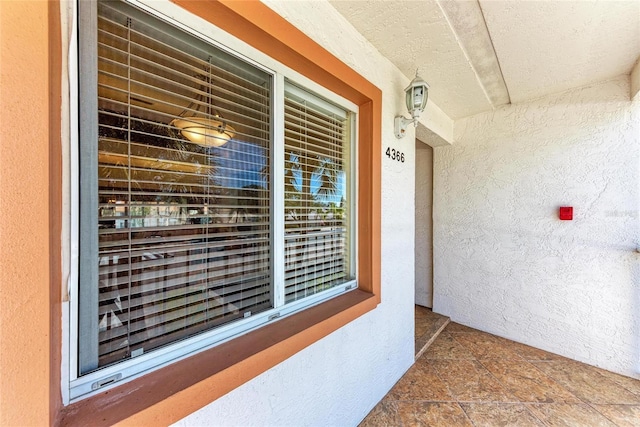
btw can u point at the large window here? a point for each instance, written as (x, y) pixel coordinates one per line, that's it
(216, 195)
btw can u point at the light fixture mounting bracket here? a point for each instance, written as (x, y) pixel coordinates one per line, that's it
(400, 125)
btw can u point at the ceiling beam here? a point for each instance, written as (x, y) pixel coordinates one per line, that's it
(467, 23)
(434, 127)
(429, 137)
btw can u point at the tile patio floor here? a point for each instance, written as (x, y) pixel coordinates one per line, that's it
(427, 327)
(471, 378)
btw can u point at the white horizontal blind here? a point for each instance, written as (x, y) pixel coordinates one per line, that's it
(316, 207)
(183, 229)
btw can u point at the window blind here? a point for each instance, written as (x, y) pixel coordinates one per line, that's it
(316, 197)
(183, 229)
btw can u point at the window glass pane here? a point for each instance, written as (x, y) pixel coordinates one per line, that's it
(317, 179)
(184, 197)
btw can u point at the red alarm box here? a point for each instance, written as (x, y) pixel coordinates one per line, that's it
(566, 213)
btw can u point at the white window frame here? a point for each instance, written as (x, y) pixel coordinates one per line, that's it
(76, 387)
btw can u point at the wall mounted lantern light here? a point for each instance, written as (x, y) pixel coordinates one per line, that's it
(417, 94)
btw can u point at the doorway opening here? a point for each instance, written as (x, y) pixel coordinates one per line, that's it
(427, 324)
(424, 225)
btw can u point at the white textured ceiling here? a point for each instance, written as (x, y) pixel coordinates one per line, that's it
(549, 46)
(541, 47)
(412, 35)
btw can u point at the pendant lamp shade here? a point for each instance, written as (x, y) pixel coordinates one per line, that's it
(201, 122)
(203, 131)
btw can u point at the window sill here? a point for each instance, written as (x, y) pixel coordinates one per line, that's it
(171, 393)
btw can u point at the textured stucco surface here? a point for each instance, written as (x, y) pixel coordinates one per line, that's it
(467, 22)
(416, 34)
(505, 263)
(423, 231)
(542, 47)
(339, 379)
(24, 213)
(545, 47)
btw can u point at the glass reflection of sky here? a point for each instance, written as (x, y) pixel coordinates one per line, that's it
(341, 188)
(240, 164)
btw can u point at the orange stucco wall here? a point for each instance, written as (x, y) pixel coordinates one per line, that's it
(25, 372)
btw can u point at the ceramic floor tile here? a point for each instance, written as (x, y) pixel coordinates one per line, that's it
(587, 383)
(469, 381)
(566, 415)
(446, 347)
(426, 319)
(423, 320)
(469, 377)
(432, 414)
(500, 415)
(630, 384)
(483, 345)
(622, 415)
(528, 353)
(527, 383)
(457, 327)
(420, 383)
(434, 327)
(385, 414)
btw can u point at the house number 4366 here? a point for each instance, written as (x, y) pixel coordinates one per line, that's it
(395, 155)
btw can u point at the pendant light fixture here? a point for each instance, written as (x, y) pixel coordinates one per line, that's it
(213, 132)
(206, 128)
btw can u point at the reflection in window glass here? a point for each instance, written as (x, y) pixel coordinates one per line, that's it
(317, 136)
(184, 222)
(184, 215)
